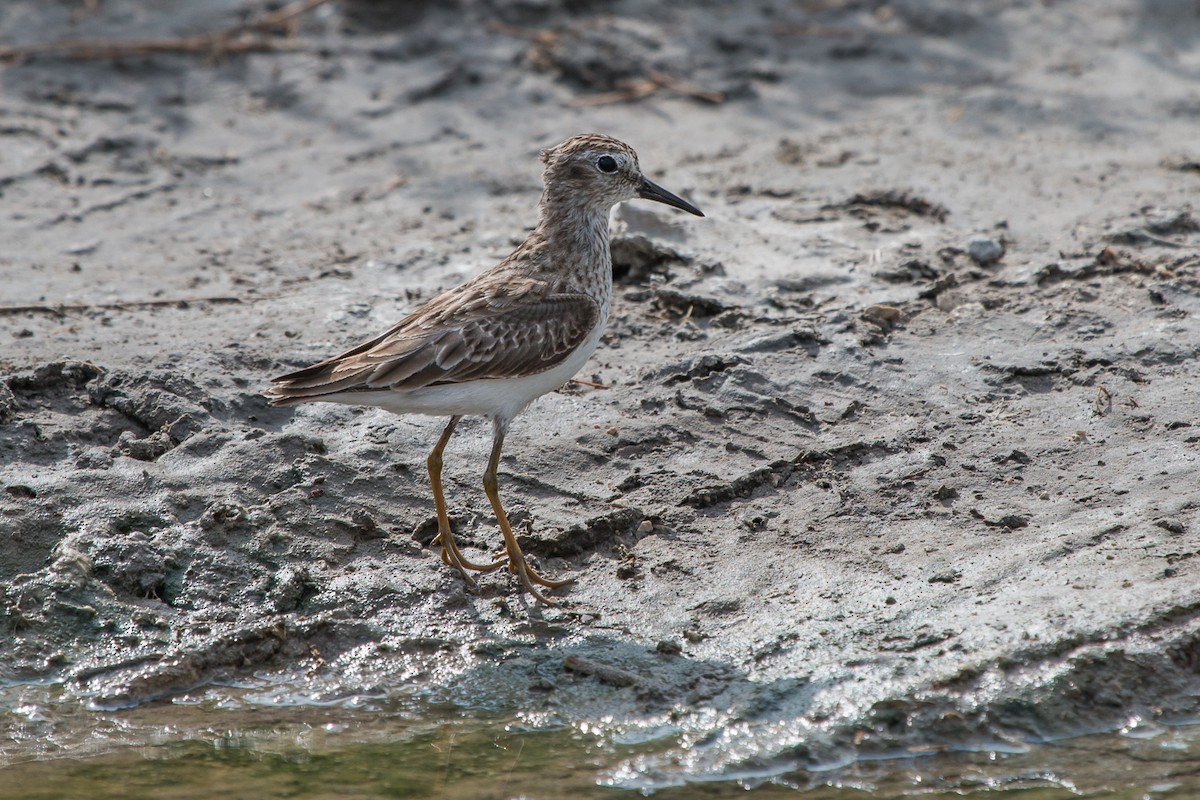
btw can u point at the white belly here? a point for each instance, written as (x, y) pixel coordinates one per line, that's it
(501, 397)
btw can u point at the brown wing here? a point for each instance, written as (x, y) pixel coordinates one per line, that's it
(505, 337)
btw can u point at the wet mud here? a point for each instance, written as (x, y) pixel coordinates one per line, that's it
(896, 447)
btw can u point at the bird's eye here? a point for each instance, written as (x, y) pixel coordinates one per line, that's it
(606, 164)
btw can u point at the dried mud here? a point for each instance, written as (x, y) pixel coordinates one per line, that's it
(896, 447)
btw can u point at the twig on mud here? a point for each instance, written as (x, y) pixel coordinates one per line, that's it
(690, 89)
(637, 89)
(532, 34)
(582, 382)
(629, 91)
(1103, 403)
(62, 309)
(626, 91)
(253, 36)
(1142, 236)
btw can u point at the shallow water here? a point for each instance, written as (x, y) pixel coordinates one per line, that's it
(200, 747)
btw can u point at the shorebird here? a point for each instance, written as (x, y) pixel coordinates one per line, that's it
(494, 344)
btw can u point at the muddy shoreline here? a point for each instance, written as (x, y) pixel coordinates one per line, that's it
(898, 446)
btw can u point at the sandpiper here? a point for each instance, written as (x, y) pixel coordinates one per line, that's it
(494, 344)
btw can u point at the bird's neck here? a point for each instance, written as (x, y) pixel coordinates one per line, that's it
(573, 227)
(577, 234)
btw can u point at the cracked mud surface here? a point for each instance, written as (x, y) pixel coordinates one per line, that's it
(898, 446)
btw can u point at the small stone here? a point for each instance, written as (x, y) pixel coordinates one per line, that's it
(1170, 525)
(94, 458)
(645, 528)
(945, 493)
(183, 428)
(884, 317)
(1012, 521)
(146, 449)
(984, 250)
(669, 648)
(605, 673)
(82, 249)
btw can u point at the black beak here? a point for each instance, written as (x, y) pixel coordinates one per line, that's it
(652, 191)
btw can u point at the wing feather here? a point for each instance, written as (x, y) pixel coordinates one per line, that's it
(510, 333)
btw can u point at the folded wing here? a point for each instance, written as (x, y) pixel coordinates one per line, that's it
(505, 338)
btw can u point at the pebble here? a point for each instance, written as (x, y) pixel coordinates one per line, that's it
(984, 250)
(669, 648)
(605, 673)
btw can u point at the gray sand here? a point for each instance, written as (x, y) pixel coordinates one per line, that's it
(899, 444)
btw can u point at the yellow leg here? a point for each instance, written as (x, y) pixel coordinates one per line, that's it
(451, 555)
(516, 559)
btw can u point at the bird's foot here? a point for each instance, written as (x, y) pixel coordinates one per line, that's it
(453, 557)
(528, 576)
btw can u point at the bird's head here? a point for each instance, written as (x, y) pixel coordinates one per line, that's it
(601, 171)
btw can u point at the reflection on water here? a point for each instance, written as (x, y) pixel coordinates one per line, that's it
(196, 750)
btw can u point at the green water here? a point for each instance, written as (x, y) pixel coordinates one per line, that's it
(197, 751)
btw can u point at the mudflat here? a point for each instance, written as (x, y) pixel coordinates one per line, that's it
(897, 448)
